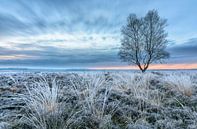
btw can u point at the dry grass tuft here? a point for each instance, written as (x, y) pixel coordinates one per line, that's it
(181, 83)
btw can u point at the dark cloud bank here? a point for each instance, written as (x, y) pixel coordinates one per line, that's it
(58, 57)
(184, 53)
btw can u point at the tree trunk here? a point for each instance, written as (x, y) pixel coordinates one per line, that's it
(143, 70)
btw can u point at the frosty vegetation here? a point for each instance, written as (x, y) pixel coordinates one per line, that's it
(98, 101)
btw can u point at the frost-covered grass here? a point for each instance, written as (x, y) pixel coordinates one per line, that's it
(181, 83)
(102, 101)
(43, 109)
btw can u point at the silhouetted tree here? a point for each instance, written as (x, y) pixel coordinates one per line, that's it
(144, 40)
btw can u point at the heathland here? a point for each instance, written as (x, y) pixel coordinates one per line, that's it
(112, 100)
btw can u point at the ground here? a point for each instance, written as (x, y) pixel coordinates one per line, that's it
(112, 100)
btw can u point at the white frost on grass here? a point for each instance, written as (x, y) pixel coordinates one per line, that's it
(139, 85)
(180, 82)
(43, 109)
(90, 100)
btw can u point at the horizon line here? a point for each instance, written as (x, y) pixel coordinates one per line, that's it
(129, 67)
(151, 67)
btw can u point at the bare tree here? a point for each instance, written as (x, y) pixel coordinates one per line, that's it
(144, 40)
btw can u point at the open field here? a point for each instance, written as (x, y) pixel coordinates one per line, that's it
(115, 100)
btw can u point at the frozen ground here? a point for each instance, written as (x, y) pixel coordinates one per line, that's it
(97, 100)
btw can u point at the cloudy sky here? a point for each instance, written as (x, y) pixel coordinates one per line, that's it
(86, 33)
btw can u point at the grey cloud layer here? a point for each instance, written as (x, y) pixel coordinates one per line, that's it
(57, 57)
(185, 52)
